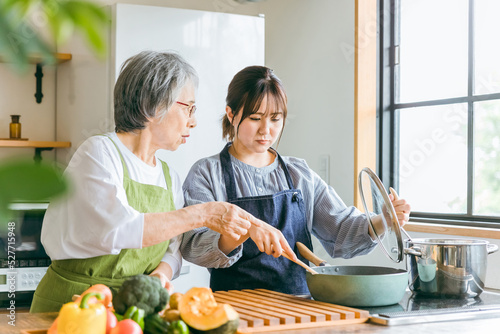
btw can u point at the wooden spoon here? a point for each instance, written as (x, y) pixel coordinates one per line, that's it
(302, 264)
(306, 252)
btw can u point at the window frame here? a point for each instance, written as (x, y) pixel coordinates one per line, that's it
(388, 117)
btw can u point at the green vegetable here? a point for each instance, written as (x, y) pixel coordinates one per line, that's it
(130, 311)
(154, 324)
(134, 313)
(119, 317)
(139, 317)
(178, 327)
(142, 291)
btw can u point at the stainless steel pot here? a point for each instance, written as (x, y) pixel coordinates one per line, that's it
(447, 267)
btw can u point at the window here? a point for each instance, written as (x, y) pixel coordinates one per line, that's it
(439, 108)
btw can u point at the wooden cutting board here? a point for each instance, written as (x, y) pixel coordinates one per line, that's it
(263, 310)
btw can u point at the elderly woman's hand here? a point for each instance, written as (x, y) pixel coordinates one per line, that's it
(163, 272)
(228, 219)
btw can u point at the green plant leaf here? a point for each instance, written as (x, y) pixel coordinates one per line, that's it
(23, 180)
(91, 21)
(19, 7)
(18, 39)
(61, 24)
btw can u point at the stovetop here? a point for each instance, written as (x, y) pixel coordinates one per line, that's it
(418, 309)
(412, 302)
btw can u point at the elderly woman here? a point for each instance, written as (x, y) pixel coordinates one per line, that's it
(125, 215)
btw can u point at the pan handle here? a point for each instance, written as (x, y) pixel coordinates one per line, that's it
(413, 251)
(492, 248)
(306, 252)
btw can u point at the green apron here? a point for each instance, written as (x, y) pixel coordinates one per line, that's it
(65, 278)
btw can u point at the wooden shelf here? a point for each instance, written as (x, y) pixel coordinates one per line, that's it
(60, 58)
(39, 146)
(36, 59)
(34, 144)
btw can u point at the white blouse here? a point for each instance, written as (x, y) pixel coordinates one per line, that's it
(94, 218)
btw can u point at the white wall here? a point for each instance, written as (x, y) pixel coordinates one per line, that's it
(303, 40)
(17, 92)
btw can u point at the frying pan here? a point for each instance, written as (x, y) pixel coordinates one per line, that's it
(364, 286)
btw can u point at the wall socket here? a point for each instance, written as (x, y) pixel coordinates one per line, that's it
(324, 167)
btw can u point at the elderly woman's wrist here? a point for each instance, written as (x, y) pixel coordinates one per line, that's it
(193, 216)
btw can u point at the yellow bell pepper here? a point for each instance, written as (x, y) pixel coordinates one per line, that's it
(82, 318)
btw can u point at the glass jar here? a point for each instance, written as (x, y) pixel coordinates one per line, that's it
(15, 127)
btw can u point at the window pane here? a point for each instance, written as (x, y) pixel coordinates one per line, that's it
(487, 158)
(433, 158)
(487, 47)
(433, 50)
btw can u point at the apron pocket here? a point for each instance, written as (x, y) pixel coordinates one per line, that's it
(54, 291)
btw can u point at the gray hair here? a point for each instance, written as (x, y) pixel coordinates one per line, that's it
(147, 86)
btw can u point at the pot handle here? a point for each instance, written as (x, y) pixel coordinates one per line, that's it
(413, 251)
(492, 248)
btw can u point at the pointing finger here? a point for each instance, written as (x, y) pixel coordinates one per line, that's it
(288, 250)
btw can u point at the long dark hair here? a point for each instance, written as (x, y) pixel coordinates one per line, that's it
(246, 92)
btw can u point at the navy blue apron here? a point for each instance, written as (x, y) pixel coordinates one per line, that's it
(284, 211)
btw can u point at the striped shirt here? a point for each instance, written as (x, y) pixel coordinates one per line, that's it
(342, 230)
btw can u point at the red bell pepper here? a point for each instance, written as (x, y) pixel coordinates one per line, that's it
(98, 288)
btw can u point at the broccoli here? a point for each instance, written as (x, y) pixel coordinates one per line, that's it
(142, 291)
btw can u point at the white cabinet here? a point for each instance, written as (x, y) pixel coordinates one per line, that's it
(218, 45)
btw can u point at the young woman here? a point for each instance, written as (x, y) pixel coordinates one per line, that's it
(282, 191)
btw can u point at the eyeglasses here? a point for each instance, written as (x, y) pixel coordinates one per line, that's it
(191, 108)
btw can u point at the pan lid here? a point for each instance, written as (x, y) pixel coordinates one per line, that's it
(380, 214)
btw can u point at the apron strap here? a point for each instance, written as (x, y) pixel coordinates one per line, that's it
(125, 169)
(166, 170)
(285, 169)
(166, 174)
(227, 171)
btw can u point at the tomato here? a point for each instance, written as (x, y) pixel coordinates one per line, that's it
(110, 321)
(127, 326)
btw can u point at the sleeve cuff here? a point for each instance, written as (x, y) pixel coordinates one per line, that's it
(129, 236)
(229, 259)
(175, 263)
(173, 256)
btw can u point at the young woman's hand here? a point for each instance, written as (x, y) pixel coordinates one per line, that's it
(401, 207)
(271, 241)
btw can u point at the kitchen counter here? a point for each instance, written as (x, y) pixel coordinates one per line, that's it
(408, 303)
(484, 326)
